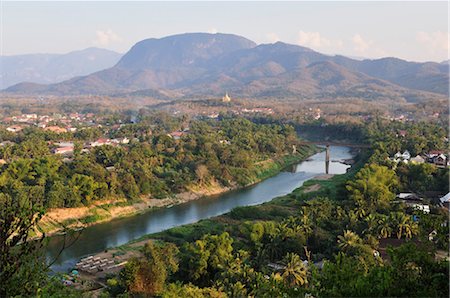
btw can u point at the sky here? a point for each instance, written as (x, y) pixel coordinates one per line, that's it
(416, 31)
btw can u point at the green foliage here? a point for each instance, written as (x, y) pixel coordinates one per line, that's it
(22, 267)
(412, 272)
(373, 187)
(206, 257)
(147, 276)
(157, 165)
(295, 272)
(176, 290)
(422, 177)
(264, 250)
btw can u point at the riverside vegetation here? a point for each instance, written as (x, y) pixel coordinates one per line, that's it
(231, 152)
(260, 251)
(344, 238)
(224, 154)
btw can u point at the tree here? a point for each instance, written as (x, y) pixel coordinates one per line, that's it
(207, 256)
(404, 225)
(83, 186)
(22, 268)
(129, 187)
(295, 272)
(373, 187)
(420, 177)
(202, 173)
(384, 227)
(147, 276)
(349, 241)
(176, 290)
(371, 221)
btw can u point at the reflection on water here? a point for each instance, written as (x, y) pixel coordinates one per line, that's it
(117, 232)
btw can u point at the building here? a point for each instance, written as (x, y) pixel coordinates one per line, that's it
(63, 150)
(440, 160)
(6, 143)
(226, 98)
(405, 156)
(413, 201)
(100, 142)
(417, 160)
(409, 196)
(402, 133)
(176, 135)
(65, 144)
(56, 129)
(445, 199)
(317, 114)
(14, 128)
(121, 140)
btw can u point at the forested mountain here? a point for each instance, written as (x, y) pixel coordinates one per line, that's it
(210, 64)
(53, 68)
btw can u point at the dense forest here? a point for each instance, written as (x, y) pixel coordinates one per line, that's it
(153, 163)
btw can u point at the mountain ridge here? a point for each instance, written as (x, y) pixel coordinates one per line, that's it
(195, 63)
(47, 68)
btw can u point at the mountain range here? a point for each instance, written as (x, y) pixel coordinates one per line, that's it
(53, 68)
(203, 64)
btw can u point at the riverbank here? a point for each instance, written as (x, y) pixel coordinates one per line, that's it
(231, 222)
(60, 219)
(277, 209)
(321, 185)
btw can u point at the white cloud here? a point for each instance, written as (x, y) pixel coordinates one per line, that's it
(272, 37)
(318, 42)
(213, 30)
(436, 41)
(367, 47)
(106, 37)
(360, 44)
(313, 39)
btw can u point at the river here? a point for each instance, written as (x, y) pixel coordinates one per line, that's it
(98, 237)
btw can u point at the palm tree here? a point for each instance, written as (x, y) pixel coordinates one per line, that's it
(371, 221)
(371, 241)
(295, 273)
(402, 223)
(411, 228)
(384, 227)
(360, 212)
(306, 223)
(273, 249)
(352, 218)
(340, 213)
(292, 221)
(348, 241)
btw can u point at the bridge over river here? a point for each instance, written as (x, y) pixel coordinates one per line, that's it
(327, 148)
(113, 233)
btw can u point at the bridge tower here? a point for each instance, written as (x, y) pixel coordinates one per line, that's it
(327, 158)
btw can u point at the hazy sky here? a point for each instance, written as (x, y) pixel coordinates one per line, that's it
(409, 30)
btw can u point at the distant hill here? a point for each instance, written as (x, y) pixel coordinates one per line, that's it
(200, 63)
(53, 68)
(428, 76)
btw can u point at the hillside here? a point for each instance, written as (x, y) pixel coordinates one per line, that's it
(201, 63)
(53, 68)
